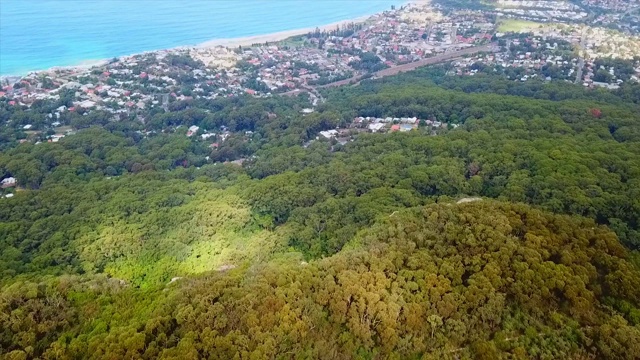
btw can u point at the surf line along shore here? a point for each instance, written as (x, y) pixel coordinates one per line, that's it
(225, 42)
(277, 36)
(283, 35)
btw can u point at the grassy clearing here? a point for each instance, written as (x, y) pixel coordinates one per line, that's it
(62, 129)
(514, 25)
(294, 41)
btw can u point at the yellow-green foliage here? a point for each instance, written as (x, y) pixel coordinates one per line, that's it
(478, 280)
(144, 230)
(209, 232)
(231, 249)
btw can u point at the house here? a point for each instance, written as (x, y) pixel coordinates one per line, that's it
(329, 134)
(192, 130)
(27, 127)
(236, 162)
(87, 104)
(56, 137)
(605, 85)
(376, 127)
(8, 182)
(395, 127)
(406, 127)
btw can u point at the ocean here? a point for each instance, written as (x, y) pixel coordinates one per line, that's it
(39, 34)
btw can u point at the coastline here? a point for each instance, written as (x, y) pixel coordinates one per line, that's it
(224, 42)
(277, 36)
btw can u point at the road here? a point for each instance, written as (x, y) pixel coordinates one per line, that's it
(583, 38)
(416, 64)
(579, 72)
(433, 60)
(401, 68)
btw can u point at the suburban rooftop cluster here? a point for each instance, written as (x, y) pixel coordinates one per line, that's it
(558, 46)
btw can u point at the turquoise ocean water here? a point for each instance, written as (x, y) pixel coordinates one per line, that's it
(39, 34)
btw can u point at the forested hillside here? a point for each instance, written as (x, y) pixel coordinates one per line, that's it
(478, 279)
(132, 241)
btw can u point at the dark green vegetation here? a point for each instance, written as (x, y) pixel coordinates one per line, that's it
(465, 4)
(121, 245)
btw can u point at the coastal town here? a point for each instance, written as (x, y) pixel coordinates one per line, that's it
(523, 40)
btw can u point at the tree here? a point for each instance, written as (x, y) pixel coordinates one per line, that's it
(435, 322)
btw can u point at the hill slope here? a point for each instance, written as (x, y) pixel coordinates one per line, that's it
(478, 279)
(124, 243)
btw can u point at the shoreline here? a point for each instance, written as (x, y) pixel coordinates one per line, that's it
(83, 65)
(276, 36)
(223, 42)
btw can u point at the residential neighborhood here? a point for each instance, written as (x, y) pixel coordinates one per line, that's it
(523, 40)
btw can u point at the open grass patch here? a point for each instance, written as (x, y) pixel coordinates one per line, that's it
(515, 25)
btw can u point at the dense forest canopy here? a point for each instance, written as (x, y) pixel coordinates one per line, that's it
(479, 279)
(511, 231)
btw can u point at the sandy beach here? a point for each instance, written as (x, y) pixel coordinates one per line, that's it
(277, 36)
(231, 43)
(84, 65)
(226, 42)
(282, 35)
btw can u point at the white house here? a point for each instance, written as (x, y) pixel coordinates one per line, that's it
(329, 134)
(376, 127)
(8, 182)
